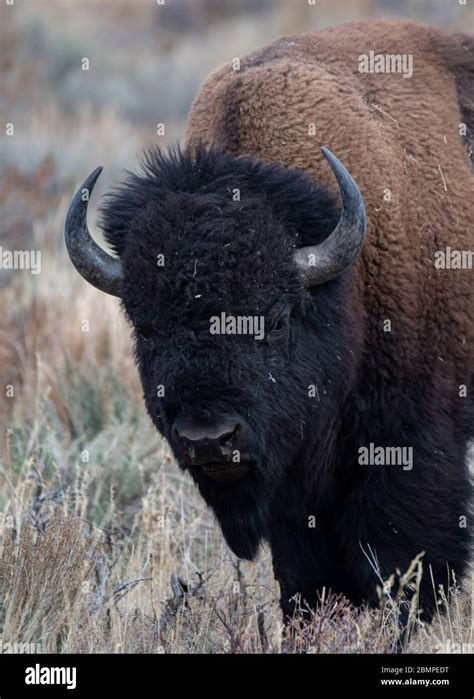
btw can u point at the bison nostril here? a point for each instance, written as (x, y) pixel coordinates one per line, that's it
(228, 439)
(237, 430)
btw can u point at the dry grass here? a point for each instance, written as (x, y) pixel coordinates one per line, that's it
(88, 567)
(158, 579)
(104, 545)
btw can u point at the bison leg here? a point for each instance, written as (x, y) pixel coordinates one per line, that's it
(305, 563)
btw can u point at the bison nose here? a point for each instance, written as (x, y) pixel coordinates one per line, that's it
(203, 442)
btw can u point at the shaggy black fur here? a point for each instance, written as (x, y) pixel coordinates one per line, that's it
(236, 256)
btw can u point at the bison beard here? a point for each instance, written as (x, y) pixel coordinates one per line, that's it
(244, 521)
(329, 378)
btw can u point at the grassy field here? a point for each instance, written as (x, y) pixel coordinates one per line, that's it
(105, 546)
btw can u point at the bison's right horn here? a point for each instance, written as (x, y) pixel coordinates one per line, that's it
(97, 267)
(320, 263)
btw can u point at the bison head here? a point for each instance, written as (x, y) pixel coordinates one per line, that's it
(234, 276)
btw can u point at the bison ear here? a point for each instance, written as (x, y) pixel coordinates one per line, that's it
(325, 261)
(97, 267)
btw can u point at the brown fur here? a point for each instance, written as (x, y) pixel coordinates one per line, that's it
(391, 133)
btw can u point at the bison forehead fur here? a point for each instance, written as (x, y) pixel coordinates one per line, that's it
(218, 252)
(387, 345)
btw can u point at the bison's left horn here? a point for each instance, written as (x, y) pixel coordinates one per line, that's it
(320, 263)
(97, 267)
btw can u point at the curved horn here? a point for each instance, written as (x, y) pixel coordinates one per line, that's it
(320, 263)
(97, 267)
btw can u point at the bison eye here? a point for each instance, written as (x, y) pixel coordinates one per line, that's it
(279, 328)
(145, 332)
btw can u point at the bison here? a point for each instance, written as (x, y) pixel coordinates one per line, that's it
(339, 434)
